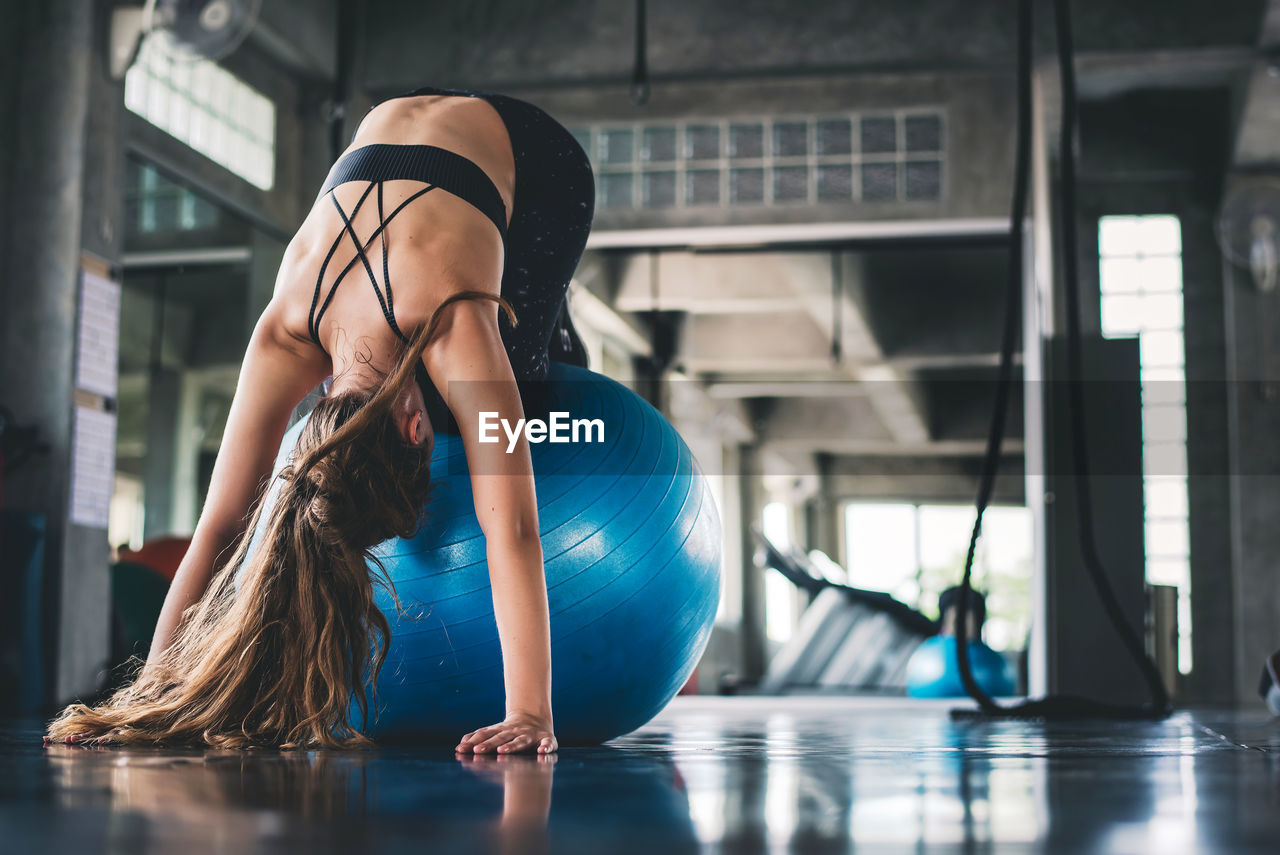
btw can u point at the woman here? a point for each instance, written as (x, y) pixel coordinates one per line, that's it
(279, 651)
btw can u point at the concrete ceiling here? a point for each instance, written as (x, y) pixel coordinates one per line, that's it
(1259, 123)
(522, 44)
(918, 334)
(300, 35)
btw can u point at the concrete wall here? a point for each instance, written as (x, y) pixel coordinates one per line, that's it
(58, 201)
(1137, 158)
(531, 43)
(10, 72)
(1253, 390)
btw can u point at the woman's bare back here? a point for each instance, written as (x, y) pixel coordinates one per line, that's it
(438, 245)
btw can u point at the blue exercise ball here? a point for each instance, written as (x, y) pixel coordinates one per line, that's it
(933, 672)
(631, 542)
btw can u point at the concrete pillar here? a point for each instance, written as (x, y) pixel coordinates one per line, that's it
(1253, 390)
(164, 399)
(750, 505)
(1084, 655)
(62, 198)
(822, 514)
(732, 524)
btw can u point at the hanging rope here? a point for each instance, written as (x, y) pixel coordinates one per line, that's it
(640, 72)
(335, 108)
(1050, 706)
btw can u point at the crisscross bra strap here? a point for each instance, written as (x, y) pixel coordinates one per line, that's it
(383, 293)
(378, 163)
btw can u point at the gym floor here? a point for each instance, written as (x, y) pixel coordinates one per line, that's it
(710, 774)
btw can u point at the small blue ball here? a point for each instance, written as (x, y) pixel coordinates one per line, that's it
(933, 672)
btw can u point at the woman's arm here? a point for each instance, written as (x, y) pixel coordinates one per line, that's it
(469, 366)
(277, 372)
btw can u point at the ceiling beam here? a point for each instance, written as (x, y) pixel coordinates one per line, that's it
(195, 257)
(796, 233)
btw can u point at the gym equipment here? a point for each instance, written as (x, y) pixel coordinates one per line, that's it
(162, 554)
(631, 541)
(932, 671)
(137, 595)
(847, 638)
(22, 631)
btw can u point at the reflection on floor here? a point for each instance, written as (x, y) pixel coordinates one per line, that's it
(730, 775)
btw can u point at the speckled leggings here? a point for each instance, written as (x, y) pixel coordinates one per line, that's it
(551, 217)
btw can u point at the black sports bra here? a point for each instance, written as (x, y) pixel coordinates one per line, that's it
(381, 162)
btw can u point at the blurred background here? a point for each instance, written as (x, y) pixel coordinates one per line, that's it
(799, 255)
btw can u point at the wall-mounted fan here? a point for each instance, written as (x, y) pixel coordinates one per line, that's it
(1249, 229)
(187, 29)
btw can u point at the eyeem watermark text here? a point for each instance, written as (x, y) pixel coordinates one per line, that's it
(559, 428)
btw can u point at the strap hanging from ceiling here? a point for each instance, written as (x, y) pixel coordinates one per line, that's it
(640, 72)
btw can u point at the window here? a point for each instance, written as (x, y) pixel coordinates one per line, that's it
(155, 204)
(890, 156)
(915, 552)
(125, 517)
(206, 107)
(882, 543)
(1140, 276)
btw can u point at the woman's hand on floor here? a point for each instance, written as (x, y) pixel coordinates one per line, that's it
(87, 740)
(517, 733)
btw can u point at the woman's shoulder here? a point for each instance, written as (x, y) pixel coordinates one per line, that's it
(283, 326)
(284, 320)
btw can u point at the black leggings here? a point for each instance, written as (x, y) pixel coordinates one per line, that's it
(550, 220)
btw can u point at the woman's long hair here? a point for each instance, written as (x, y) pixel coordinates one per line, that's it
(287, 639)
